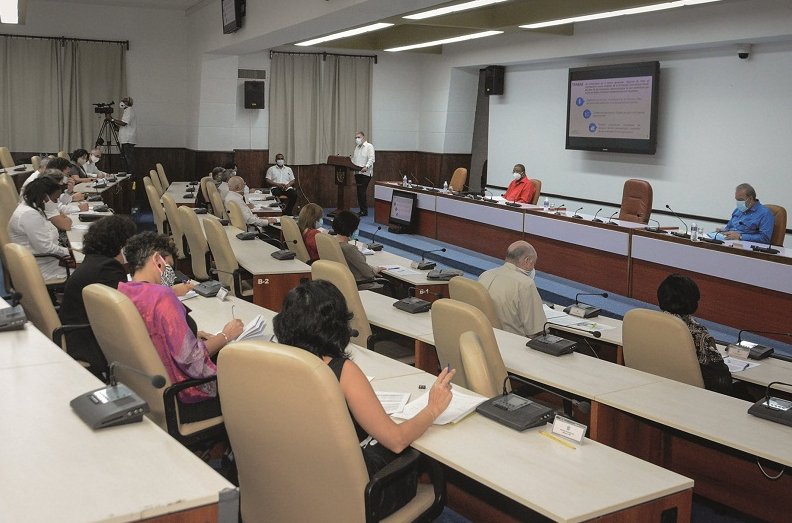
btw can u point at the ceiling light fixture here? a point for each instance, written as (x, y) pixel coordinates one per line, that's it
(9, 11)
(345, 34)
(620, 12)
(433, 43)
(452, 9)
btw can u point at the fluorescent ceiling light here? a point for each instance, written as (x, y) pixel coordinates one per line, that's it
(345, 34)
(620, 12)
(452, 9)
(9, 11)
(444, 41)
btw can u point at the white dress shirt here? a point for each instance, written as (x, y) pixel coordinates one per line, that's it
(128, 133)
(91, 169)
(30, 228)
(280, 175)
(516, 299)
(363, 155)
(223, 190)
(250, 218)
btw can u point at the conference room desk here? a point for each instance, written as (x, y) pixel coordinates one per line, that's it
(117, 195)
(272, 279)
(19, 173)
(424, 288)
(178, 191)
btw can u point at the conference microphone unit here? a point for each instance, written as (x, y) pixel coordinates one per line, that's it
(610, 219)
(551, 344)
(414, 304)
(374, 246)
(758, 352)
(679, 234)
(657, 229)
(583, 406)
(715, 240)
(595, 219)
(283, 253)
(432, 185)
(576, 215)
(561, 209)
(581, 310)
(424, 265)
(773, 408)
(767, 250)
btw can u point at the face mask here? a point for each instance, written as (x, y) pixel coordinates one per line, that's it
(318, 224)
(516, 176)
(95, 159)
(122, 105)
(354, 234)
(279, 162)
(82, 161)
(167, 275)
(359, 141)
(741, 205)
(530, 273)
(123, 257)
(50, 207)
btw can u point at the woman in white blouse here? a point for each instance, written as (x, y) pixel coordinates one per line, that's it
(30, 227)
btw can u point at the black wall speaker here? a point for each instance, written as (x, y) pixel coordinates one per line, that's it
(254, 95)
(493, 79)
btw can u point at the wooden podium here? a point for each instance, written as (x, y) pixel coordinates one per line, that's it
(343, 169)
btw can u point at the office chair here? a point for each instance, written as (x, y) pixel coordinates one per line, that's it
(9, 199)
(196, 241)
(158, 213)
(458, 179)
(329, 249)
(289, 470)
(779, 224)
(339, 275)
(660, 344)
(473, 293)
(452, 318)
(124, 338)
(6, 160)
(218, 207)
(155, 181)
(174, 222)
(636, 205)
(481, 378)
(537, 190)
(294, 238)
(163, 179)
(35, 161)
(235, 216)
(202, 185)
(229, 273)
(63, 154)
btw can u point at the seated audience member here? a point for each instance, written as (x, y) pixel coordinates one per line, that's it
(222, 182)
(310, 223)
(185, 354)
(79, 158)
(281, 178)
(67, 168)
(345, 225)
(56, 212)
(750, 221)
(520, 189)
(200, 201)
(679, 295)
(90, 166)
(29, 226)
(514, 292)
(103, 263)
(41, 168)
(315, 318)
(236, 191)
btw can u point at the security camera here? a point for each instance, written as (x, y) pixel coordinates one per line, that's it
(744, 51)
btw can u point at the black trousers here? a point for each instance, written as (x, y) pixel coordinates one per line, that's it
(128, 157)
(362, 182)
(290, 193)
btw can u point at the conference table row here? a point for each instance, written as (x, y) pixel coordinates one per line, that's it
(739, 286)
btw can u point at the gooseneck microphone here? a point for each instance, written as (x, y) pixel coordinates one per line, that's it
(679, 234)
(582, 310)
(596, 334)
(597, 220)
(156, 380)
(576, 215)
(432, 188)
(374, 246)
(739, 334)
(610, 219)
(584, 406)
(655, 229)
(601, 294)
(424, 265)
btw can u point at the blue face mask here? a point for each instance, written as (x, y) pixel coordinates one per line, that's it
(741, 205)
(354, 234)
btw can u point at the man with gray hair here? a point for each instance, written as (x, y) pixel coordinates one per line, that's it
(513, 291)
(236, 190)
(750, 221)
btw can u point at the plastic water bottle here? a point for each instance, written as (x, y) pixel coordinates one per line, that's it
(694, 232)
(445, 186)
(404, 181)
(247, 193)
(546, 203)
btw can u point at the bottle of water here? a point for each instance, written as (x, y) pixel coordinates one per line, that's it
(546, 203)
(247, 193)
(445, 186)
(694, 232)
(404, 181)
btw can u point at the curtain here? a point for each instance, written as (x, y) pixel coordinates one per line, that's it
(317, 103)
(46, 102)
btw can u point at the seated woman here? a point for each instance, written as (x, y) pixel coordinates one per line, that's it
(309, 222)
(345, 225)
(679, 295)
(29, 226)
(184, 353)
(79, 159)
(315, 318)
(103, 263)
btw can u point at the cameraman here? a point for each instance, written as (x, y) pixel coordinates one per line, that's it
(127, 133)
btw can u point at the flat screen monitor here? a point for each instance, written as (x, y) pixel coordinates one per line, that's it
(233, 11)
(403, 208)
(613, 108)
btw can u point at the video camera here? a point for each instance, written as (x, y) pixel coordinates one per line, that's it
(104, 108)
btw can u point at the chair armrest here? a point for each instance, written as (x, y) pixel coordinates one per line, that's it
(57, 334)
(59, 258)
(238, 275)
(169, 400)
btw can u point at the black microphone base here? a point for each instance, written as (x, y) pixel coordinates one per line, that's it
(712, 240)
(283, 254)
(426, 265)
(109, 406)
(579, 217)
(512, 204)
(553, 345)
(767, 250)
(597, 220)
(655, 230)
(375, 246)
(516, 412)
(681, 234)
(773, 409)
(413, 305)
(582, 310)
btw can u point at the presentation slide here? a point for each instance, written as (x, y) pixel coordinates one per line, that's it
(611, 108)
(401, 208)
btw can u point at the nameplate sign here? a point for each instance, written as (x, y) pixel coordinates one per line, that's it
(569, 429)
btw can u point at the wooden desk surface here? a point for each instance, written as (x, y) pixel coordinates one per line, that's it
(177, 190)
(382, 313)
(255, 256)
(383, 258)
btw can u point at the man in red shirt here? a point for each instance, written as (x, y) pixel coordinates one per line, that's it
(520, 190)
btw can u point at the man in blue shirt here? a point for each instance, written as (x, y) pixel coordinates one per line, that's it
(751, 221)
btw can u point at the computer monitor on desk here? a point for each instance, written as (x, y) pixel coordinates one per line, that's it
(402, 212)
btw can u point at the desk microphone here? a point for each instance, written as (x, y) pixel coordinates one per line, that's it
(559, 212)
(771, 408)
(426, 265)
(610, 220)
(767, 250)
(597, 220)
(655, 229)
(576, 215)
(759, 352)
(584, 406)
(374, 246)
(679, 234)
(433, 188)
(484, 191)
(581, 310)
(157, 381)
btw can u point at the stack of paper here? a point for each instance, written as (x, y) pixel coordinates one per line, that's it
(393, 402)
(461, 405)
(738, 365)
(188, 295)
(254, 329)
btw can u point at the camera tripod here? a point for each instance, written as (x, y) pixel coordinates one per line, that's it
(106, 140)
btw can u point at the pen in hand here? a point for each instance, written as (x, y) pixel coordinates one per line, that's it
(233, 317)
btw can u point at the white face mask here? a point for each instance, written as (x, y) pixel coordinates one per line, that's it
(122, 105)
(516, 175)
(359, 141)
(318, 224)
(95, 158)
(741, 205)
(279, 162)
(530, 273)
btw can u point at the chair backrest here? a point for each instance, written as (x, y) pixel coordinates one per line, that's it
(63, 154)
(196, 240)
(451, 318)
(29, 282)
(156, 207)
(294, 239)
(779, 224)
(458, 179)
(636, 203)
(202, 184)
(163, 179)
(174, 222)
(35, 161)
(225, 260)
(155, 181)
(9, 198)
(272, 425)
(123, 337)
(340, 276)
(218, 208)
(329, 249)
(235, 215)
(480, 377)
(537, 190)
(660, 344)
(475, 294)
(6, 160)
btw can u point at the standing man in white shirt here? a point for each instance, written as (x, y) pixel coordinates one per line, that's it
(281, 178)
(363, 156)
(127, 133)
(236, 191)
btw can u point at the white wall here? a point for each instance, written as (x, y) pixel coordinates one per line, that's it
(156, 69)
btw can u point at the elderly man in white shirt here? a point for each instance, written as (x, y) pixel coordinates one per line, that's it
(236, 190)
(281, 178)
(42, 167)
(90, 167)
(127, 133)
(363, 155)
